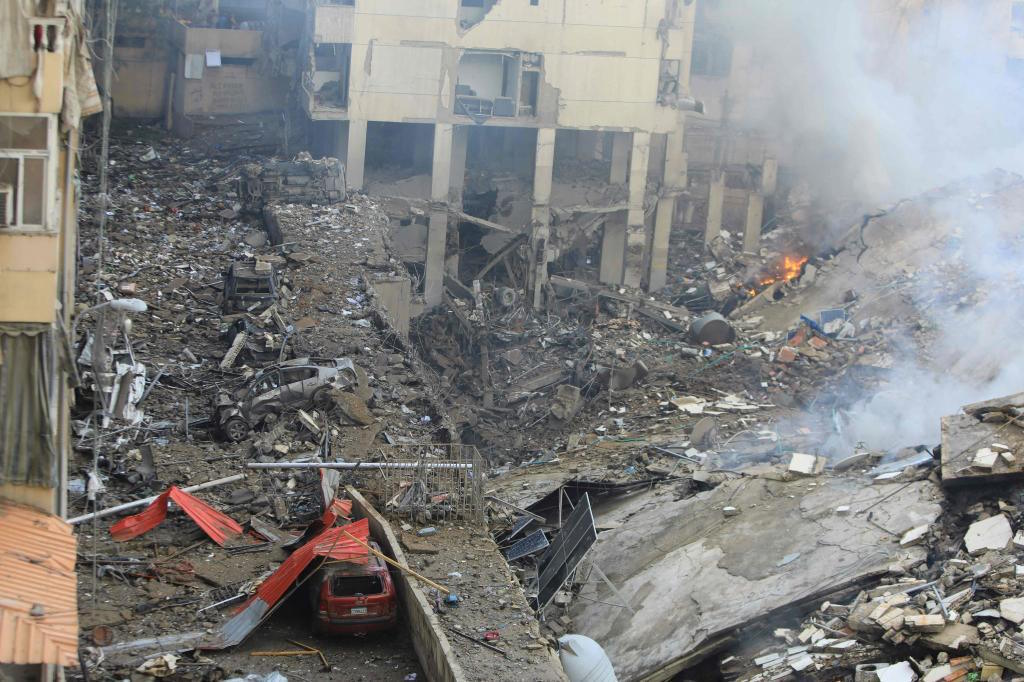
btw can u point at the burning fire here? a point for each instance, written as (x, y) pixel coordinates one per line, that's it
(788, 269)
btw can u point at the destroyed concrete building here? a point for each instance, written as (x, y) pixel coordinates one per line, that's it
(521, 339)
(496, 101)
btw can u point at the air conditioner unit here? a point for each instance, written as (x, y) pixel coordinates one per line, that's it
(6, 205)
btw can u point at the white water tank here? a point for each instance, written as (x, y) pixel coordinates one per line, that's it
(584, 660)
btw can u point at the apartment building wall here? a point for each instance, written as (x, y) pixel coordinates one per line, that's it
(46, 85)
(405, 57)
(142, 63)
(219, 71)
(38, 144)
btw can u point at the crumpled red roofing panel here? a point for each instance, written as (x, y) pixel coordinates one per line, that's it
(331, 543)
(218, 526)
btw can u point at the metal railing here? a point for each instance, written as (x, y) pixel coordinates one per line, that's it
(431, 482)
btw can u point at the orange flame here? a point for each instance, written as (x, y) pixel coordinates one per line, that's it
(791, 267)
(787, 270)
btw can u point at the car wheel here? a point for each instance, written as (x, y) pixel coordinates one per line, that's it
(236, 429)
(323, 400)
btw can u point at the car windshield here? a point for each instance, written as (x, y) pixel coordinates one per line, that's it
(353, 585)
(267, 383)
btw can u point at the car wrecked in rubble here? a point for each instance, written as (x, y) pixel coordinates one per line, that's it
(356, 599)
(294, 384)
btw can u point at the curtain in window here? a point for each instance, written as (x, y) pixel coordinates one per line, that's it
(28, 455)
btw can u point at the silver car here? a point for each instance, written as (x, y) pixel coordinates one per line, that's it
(294, 384)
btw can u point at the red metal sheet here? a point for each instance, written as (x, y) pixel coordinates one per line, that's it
(343, 508)
(339, 509)
(143, 522)
(218, 526)
(331, 543)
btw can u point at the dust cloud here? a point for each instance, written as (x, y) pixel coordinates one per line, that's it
(874, 101)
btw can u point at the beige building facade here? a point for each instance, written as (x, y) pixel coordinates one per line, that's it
(46, 86)
(602, 78)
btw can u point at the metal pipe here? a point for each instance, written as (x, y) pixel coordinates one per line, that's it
(149, 500)
(356, 465)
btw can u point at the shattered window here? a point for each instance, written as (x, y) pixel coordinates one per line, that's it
(267, 383)
(24, 147)
(293, 374)
(351, 585)
(22, 191)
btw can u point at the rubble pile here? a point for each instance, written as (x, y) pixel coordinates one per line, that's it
(696, 449)
(176, 227)
(955, 616)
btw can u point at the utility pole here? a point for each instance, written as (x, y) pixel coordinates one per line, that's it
(110, 26)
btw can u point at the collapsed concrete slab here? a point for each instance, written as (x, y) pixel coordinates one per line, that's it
(692, 575)
(985, 443)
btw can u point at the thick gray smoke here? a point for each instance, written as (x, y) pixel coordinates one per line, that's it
(876, 100)
(972, 323)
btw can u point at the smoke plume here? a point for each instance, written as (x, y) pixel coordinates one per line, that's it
(871, 101)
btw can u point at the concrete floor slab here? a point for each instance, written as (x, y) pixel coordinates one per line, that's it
(692, 575)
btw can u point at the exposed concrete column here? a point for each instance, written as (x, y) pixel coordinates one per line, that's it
(755, 205)
(752, 229)
(543, 172)
(673, 182)
(769, 176)
(355, 156)
(437, 233)
(716, 204)
(636, 228)
(441, 177)
(613, 249)
(620, 158)
(437, 237)
(460, 144)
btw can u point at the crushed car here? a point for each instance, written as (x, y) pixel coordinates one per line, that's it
(302, 180)
(293, 384)
(354, 599)
(250, 287)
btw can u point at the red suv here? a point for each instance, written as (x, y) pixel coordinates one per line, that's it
(354, 598)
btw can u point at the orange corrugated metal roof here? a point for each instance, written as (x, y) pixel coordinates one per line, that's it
(38, 591)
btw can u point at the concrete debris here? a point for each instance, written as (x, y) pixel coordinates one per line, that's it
(993, 533)
(806, 465)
